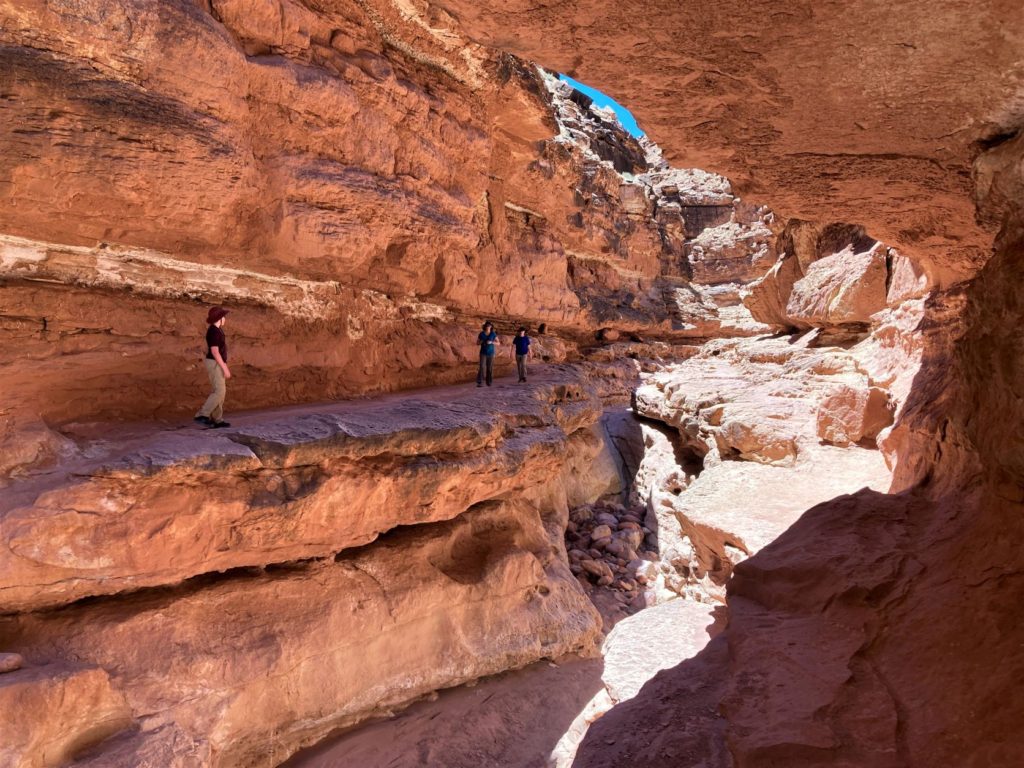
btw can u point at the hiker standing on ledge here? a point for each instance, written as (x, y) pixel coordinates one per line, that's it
(521, 348)
(216, 368)
(487, 340)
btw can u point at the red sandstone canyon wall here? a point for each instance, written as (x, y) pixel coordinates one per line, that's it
(904, 118)
(360, 186)
(363, 182)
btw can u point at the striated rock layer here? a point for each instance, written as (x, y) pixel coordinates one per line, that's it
(285, 657)
(301, 573)
(359, 184)
(301, 484)
(362, 185)
(856, 112)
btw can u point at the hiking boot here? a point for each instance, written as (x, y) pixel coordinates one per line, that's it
(203, 420)
(219, 424)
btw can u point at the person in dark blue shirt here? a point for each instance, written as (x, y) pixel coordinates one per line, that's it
(488, 340)
(521, 346)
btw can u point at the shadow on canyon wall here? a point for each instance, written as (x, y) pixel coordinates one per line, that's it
(469, 726)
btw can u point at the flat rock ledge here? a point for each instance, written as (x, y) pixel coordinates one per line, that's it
(253, 589)
(299, 483)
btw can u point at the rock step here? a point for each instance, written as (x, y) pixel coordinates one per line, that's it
(282, 486)
(247, 669)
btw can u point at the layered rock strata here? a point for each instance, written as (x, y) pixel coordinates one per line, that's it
(296, 485)
(287, 656)
(882, 133)
(296, 574)
(912, 129)
(858, 657)
(360, 185)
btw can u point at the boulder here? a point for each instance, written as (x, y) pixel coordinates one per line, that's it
(745, 433)
(850, 414)
(766, 298)
(598, 569)
(10, 662)
(907, 280)
(840, 289)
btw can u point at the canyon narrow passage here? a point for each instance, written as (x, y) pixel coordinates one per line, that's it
(542, 433)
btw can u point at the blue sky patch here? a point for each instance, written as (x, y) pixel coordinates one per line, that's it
(625, 118)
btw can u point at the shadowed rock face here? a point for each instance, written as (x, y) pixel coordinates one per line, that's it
(858, 112)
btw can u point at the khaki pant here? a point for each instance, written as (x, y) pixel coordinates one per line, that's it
(521, 365)
(486, 370)
(213, 408)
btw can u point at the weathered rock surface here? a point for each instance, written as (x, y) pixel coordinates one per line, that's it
(730, 253)
(284, 657)
(523, 714)
(745, 457)
(850, 414)
(883, 133)
(813, 677)
(831, 277)
(845, 642)
(365, 144)
(297, 484)
(844, 288)
(658, 638)
(50, 714)
(356, 182)
(300, 572)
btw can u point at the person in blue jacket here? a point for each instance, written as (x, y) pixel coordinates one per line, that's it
(488, 341)
(521, 347)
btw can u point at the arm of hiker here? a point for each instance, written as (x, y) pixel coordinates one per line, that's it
(221, 363)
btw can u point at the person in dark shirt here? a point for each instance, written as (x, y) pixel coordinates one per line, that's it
(216, 363)
(487, 339)
(521, 348)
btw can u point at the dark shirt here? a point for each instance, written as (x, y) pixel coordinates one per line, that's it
(215, 338)
(487, 343)
(522, 344)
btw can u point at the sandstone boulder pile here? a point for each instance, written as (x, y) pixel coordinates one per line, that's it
(610, 546)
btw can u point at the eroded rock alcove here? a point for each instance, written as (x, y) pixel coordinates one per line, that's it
(776, 408)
